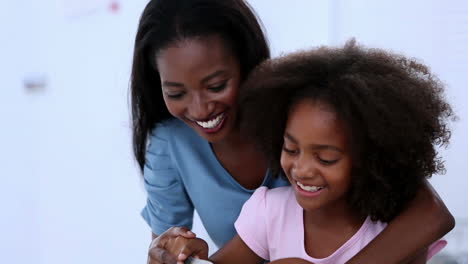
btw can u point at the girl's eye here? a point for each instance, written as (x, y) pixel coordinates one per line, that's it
(217, 88)
(290, 151)
(326, 162)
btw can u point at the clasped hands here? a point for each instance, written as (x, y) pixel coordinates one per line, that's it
(178, 243)
(175, 245)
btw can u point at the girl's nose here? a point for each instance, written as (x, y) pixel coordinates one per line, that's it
(304, 168)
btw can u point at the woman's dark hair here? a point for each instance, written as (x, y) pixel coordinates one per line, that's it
(164, 22)
(393, 107)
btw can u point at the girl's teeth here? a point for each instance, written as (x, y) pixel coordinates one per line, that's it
(309, 188)
(212, 123)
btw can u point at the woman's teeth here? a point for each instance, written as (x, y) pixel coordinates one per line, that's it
(309, 188)
(211, 123)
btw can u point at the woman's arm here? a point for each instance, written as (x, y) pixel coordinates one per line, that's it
(167, 203)
(406, 236)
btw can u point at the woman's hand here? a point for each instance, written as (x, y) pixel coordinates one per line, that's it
(175, 245)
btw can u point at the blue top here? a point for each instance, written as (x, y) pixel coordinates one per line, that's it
(182, 174)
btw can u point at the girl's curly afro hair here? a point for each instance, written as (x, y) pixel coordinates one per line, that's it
(393, 106)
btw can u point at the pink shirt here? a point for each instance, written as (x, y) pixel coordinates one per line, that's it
(271, 224)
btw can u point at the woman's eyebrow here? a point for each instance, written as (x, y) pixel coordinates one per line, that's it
(213, 75)
(173, 84)
(291, 138)
(204, 80)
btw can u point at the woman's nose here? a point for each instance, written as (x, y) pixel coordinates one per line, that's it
(200, 108)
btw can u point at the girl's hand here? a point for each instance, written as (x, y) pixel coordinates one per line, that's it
(163, 248)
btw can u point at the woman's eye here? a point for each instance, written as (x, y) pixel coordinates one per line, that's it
(175, 95)
(217, 88)
(290, 151)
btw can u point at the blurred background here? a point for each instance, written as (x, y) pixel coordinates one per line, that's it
(70, 191)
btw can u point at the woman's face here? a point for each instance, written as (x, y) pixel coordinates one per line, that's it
(315, 156)
(200, 80)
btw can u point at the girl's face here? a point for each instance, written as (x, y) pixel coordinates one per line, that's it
(200, 82)
(316, 156)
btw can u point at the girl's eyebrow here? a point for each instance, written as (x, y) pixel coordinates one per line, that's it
(313, 146)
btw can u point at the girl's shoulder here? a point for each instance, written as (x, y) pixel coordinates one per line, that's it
(273, 198)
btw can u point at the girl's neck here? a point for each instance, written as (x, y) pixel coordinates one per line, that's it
(327, 229)
(338, 213)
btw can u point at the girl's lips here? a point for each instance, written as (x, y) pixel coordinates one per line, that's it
(303, 192)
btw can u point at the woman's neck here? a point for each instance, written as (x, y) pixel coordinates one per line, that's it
(242, 160)
(234, 141)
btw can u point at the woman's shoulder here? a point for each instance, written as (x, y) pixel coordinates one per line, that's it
(170, 129)
(175, 138)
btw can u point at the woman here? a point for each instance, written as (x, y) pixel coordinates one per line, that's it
(189, 61)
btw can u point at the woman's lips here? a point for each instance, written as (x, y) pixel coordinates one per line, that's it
(213, 125)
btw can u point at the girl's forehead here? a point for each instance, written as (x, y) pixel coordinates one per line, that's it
(314, 111)
(316, 123)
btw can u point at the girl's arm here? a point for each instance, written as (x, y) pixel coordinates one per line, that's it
(178, 248)
(406, 235)
(235, 252)
(421, 258)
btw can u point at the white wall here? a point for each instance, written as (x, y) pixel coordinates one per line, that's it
(70, 191)
(294, 24)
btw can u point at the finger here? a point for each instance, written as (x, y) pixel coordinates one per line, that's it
(181, 258)
(173, 232)
(153, 261)
(194, 247)
(181, 231)
(160, 255)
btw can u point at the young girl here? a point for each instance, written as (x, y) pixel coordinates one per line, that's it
(355, 132)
